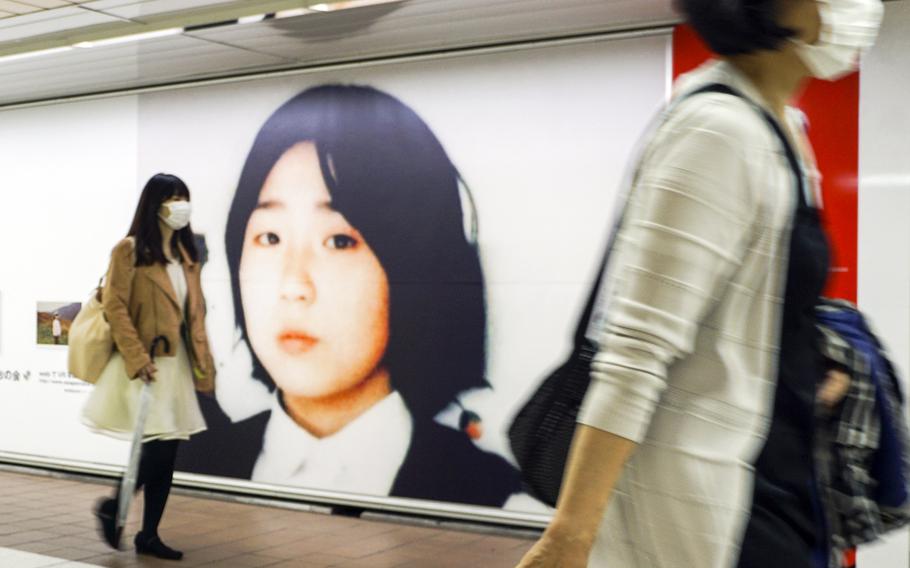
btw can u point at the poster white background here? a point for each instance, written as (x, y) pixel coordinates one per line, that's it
(541, 136)
(69, 186)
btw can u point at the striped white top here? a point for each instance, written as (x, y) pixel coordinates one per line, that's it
(688, 347)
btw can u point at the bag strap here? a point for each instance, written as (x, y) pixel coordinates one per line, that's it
(100, 288)
(584, 323)
(786, 146)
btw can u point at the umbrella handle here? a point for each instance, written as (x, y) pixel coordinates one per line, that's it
(155, 342)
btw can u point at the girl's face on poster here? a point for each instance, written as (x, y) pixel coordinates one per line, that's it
(315, 297)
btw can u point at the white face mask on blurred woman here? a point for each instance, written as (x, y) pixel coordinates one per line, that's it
(176, 214)
(849, 29)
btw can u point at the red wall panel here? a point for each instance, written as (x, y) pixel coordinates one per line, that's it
(833, 111)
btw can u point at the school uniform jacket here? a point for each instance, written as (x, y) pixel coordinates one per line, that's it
(441, 464)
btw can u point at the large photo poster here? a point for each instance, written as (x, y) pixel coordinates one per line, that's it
(396, 255)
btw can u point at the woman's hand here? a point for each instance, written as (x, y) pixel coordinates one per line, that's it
(555, 550)
(834, 388)
(147, 373)
(596, 462)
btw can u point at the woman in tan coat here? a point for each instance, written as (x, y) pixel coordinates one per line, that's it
(153, 289)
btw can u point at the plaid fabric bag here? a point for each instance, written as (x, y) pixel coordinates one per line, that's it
(863, 454)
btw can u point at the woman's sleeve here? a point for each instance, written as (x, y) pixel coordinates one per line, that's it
(115, 299)
(686, 229)
(203, 371)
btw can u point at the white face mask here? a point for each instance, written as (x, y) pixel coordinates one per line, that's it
(849, 29)
(176, 214)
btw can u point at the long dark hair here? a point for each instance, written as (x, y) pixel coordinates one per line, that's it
(390, 177)
(145, 228)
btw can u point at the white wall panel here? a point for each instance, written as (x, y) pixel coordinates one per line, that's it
(884, 216)
(69, 186)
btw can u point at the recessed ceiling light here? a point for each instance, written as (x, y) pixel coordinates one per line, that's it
(251, 19)
(129, 38)
(291, 13)
(30, 54)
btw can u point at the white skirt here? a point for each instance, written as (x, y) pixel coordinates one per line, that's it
(174, 411)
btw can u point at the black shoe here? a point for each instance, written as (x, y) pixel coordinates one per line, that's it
(106, 511)
(154, 547)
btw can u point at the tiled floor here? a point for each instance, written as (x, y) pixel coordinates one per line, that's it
(18, 559)
(51, 517)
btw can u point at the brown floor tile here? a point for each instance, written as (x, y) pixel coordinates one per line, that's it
(316, 560)
(54, 517)
(245, 561)
(111, 561)
(39, 547)
(25, 537)
(70, 553)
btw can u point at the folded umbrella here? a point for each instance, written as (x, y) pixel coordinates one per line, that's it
(128, 485)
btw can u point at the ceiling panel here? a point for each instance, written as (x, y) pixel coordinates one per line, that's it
(47, 4)
(17, 7)
(181, 53)
(50, 21)
(137, 9)
(37, 16)
(174, 59)
(10, 8)
(398, 28)
(433, 25)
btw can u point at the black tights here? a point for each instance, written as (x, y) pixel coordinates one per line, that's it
(156, 472)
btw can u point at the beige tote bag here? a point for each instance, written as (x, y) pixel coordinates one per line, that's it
(90, 341)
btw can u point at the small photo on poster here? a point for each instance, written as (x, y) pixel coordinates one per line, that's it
(54, 321)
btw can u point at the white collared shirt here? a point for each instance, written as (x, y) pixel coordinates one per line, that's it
(178, 281)
(363, 457)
